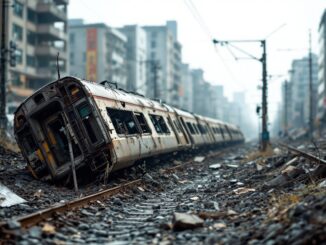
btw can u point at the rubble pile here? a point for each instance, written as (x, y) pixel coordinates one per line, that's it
(238, 197)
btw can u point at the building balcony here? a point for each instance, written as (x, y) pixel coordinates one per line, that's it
(49, 13)
(50, 33)
(50, 51)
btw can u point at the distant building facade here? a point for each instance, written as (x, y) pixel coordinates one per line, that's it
(97, 52)
(186, 88)
(300, 103)
(163, 47)
(39, 30)
(137, 62)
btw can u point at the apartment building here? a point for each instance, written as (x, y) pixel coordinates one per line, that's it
(137, 62)
(97, 52)
(164, 48)
(39, 30)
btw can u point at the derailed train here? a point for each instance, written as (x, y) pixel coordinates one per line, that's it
(105, 128)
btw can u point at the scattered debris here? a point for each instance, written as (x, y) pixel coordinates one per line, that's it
(39, 193)
(48, 229)
(183, 221)
(8, 198)
(243, 190)
(199, 158)
(194, 198)
(322, 184)
(219, 226)
(215, 166)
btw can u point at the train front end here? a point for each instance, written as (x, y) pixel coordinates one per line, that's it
(60, 124)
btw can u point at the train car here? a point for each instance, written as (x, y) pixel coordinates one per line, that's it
(104, 128)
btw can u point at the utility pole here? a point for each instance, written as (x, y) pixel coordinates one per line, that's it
(263, 60)
(3, 69)
(286, 105)
(265, 133)
(311, 119)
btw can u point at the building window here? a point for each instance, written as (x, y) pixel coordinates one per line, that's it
(153, 44)
(72, 57)
(31, 38)
(31, 15)
(18, 9)
(31, 61)
(72, 37)
(153, 55)
(19, 56)
(17, 32)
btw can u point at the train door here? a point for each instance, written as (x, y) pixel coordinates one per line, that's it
(184, 127)
(174, 129)
(56, 145)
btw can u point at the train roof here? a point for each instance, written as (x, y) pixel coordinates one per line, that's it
(121, 95)
(106, 92)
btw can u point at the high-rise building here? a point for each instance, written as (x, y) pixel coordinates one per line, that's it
(164, 48)
(299, 79)
(97, 52)
(137, 62)
(186, 90)
(39, 30)
(322, 70)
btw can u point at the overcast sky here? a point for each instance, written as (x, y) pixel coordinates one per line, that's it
(223, 19)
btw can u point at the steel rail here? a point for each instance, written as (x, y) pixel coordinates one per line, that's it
(304, 154)
(34, 218)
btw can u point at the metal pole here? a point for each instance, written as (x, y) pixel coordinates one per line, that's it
(265, 133)
(286, 108)
(72, 160)
(311, 123)
(3, 70)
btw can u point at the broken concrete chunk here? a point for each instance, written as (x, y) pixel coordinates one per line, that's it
(199, 159)
(232, 165)
(278, 181)
(259, 167)
(292, 171)
(291, 161)
(322, 184)
(183, 221)
(8, 198)
(277, 151)
(215, 166)
(48, 228)
(243, 190)
(219, 226)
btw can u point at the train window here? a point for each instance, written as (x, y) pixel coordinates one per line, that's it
(27, 141)
(75, 92)
(88, 120)
(123, 121)
(201, 129)
(159, 124)
(142, 122)
(195, 128)
(192, 131)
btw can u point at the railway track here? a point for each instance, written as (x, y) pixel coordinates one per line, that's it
(303, 154)
(34, 218)
(132, 216)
